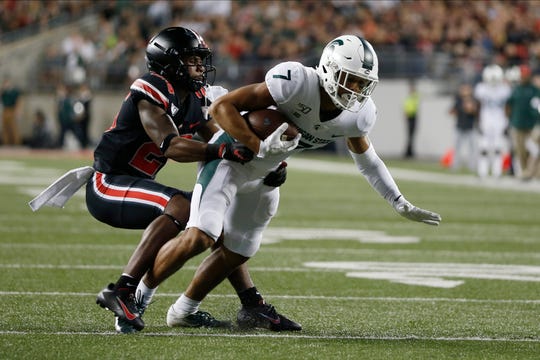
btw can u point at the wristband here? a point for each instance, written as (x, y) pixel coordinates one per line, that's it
(166, 142)
(212, 152)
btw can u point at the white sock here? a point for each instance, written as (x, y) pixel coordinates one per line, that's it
(145, 293)
(496, 166)
(483, 167)
(186, 306)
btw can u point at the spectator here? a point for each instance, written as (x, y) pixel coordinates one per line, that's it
(465, 110)
(523, 117)
(41, 137)
(410, 110)
(533, 165)
(159, 13)
(66, 115)
(81, 109)
(11, 105)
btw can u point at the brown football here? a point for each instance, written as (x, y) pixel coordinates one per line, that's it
(264, 122)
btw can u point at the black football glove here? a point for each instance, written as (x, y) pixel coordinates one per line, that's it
(231, 151)
(277, 177)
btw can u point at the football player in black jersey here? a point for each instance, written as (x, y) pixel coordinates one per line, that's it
(157, 120)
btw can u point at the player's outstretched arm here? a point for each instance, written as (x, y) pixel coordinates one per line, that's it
(378, 176)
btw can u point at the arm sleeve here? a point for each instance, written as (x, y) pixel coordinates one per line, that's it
(377, 174)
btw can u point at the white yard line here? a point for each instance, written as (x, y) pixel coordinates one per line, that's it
(493, 255)
(295, 297)
(244, 335)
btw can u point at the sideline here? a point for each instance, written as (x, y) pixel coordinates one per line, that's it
(21, 152)
(304, 164)
(504, 183)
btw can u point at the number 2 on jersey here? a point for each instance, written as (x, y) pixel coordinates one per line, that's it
(148, 159)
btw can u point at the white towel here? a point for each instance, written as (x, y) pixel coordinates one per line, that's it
(60, 191)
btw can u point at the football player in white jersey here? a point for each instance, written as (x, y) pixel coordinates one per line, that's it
(326, 103)
(492, 93)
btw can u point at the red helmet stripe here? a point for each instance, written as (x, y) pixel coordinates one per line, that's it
(199, 38)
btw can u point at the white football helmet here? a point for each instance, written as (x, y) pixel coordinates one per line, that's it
(346, 56)
(513, 75)
(493, 74)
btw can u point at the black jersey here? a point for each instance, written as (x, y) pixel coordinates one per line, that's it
(125, 148)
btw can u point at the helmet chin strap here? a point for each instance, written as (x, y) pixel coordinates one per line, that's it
(196, 85)
(189, 85)
(338, 104)
(349, 98)
(184, 81)
(187, 82)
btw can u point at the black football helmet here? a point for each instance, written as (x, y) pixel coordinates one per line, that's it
(165, 51)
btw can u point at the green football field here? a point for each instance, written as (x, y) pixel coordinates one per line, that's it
(364, 282)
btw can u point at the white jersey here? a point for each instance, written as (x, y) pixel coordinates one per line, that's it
(295, 89)
(492, 98)
(231, 197)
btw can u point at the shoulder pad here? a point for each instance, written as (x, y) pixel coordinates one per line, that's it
(154, 88)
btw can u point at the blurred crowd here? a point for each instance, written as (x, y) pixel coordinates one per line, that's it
(23, 18)
(435, 38)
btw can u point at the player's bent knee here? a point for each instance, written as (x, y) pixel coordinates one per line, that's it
(233, 259)
(196, 241)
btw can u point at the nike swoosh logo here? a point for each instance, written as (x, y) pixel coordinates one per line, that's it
(238, 154)
(129, 314)
(272, 320)
(336, 136)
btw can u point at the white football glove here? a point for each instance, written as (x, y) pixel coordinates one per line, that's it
(274, 145)
(411, 212)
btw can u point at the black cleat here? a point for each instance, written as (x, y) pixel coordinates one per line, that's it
(123, 308)
(122, 326)
(264, 316)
